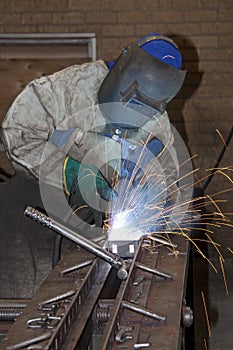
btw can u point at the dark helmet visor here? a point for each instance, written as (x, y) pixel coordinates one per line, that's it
(141, 84)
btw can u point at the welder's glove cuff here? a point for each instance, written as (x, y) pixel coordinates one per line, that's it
(60, 137)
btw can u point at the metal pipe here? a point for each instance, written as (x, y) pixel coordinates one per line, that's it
(76, 238)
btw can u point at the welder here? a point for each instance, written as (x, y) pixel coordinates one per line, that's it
(131, 94)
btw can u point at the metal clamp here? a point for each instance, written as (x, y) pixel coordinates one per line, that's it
(123, 334)
(44, 322)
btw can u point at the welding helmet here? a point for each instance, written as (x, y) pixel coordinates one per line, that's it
(144, 78)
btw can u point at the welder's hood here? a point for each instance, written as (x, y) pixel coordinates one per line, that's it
(138, 88)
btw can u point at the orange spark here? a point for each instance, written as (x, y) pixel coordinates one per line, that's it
(206, 314)
(223, 273)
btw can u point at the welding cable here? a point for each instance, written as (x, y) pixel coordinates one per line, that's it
(215, 168)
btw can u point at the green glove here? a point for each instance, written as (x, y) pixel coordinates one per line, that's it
(86, 177)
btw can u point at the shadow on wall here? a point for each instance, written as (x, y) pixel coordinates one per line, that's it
(191, 83)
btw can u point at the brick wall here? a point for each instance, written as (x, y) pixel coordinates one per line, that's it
(202, 29)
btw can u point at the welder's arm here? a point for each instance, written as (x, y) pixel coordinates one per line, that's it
(168, 157)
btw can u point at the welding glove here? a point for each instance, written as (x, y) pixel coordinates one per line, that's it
(83, 184)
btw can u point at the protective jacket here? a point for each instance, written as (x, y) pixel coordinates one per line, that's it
(54, 102)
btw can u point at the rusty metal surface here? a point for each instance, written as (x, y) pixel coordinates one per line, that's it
(165, 297)
(97, 285)
(54, 285)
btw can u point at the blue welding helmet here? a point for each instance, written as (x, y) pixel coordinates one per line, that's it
(144, 78)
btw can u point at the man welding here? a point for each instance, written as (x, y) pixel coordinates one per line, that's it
(122, 106)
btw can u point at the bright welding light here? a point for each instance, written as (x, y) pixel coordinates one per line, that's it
(122, 219)
(123, 227)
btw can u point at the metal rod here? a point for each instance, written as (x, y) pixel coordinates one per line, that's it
(143, 311)
(152, 270)
(76, 267)
(163, 241)
(57, 298)
(74, 236)
(28, 342)
(141, 345)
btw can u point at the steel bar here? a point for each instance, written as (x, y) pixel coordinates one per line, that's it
(152, 270)
(78, 239)
(143, 311)
(29, 342)
(57, 298)
(76, 267)
(163, 241)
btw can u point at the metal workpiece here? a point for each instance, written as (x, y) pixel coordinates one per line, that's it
(78, 239)
(143, 311)
(96, 308)
(121, 264)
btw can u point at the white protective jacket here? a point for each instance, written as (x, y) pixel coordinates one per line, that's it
(55, 101)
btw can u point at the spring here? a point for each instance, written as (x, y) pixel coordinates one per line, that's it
(103, 314)
(10, 311)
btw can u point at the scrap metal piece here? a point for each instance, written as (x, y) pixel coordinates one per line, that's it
(141, 345)
(123, 334)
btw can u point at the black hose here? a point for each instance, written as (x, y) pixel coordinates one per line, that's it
(57, 250)
(218, 161)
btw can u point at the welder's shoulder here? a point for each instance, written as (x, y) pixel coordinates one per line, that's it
(73, 75)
